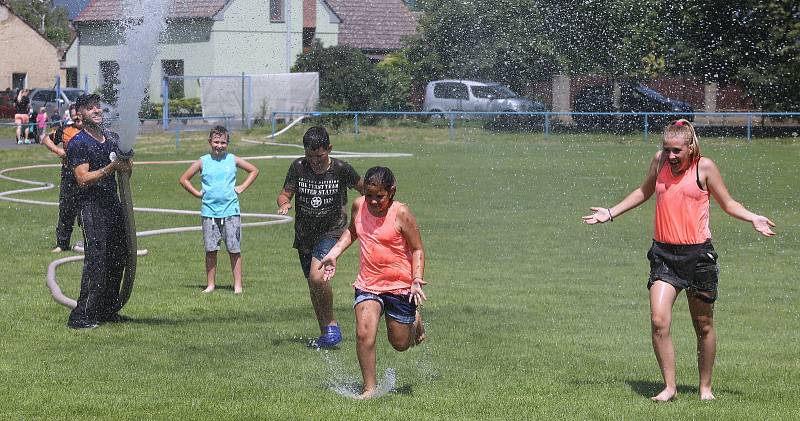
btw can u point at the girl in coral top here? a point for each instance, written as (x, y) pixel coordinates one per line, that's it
(682, 256)
(391, 275)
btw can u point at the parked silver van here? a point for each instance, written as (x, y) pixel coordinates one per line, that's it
(47, 97)
(470, 95)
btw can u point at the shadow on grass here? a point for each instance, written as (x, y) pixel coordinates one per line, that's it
(405, 389)
(649, 389)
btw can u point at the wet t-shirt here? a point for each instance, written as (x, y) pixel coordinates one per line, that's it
(83, 148)
(319, 201)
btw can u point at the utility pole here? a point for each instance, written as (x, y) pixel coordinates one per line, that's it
(288, 35)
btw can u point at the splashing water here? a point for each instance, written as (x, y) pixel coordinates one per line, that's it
(144, 23)
(349, 386)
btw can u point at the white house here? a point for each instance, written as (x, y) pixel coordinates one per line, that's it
(203, 37)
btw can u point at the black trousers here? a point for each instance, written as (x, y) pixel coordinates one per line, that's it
(105, 244)
(67, 210)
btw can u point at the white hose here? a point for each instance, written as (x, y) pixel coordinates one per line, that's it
(51, 279)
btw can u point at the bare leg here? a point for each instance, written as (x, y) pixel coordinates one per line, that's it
(19, 129)
(368, 314)
(321, 296)
(403, 336)
(211, 270)
(236, 268)
(662, 297)
(419, 329)
(703, 321)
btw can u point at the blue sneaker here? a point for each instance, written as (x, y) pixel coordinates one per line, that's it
(331, 338)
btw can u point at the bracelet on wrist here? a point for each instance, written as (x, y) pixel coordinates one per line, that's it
(610, 217)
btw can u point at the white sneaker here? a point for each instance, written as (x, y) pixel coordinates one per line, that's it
(78, 247)
(57, 250)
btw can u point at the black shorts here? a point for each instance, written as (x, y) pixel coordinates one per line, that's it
(692, 267)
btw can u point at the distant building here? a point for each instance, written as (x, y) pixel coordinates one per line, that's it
(203, 37)
(376, 27)
(28, 60)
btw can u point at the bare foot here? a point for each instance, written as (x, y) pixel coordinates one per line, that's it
(419, 328)
(706, 395)
(666, 395)
(237, 290)
(208, 289)
(367, 394)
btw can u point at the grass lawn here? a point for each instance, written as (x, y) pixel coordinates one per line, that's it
(531, 314)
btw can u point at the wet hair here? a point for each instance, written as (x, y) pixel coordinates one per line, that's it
(86, 101)
(684, 129)
(380, 177)
(315, 138)
(219, 131)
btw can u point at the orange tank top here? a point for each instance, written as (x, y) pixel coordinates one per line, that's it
(385, 256)
(682, 207)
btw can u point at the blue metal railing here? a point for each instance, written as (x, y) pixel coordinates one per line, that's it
(545, 116)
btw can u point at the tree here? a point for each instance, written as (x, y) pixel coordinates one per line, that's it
(52, 22)
(395, 73)
(347, 79)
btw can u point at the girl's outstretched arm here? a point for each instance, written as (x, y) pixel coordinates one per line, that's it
(632, 200)
(717, 188)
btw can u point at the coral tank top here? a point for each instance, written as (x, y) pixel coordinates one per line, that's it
(385, 256)
(682, 207)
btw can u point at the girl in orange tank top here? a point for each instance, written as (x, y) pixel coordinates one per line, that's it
(681, 207)
(682, 256)
(391, 275)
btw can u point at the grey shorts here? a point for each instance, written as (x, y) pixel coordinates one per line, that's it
(217, 229)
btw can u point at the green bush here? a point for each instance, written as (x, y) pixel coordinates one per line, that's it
(346, 77)
(183, 107)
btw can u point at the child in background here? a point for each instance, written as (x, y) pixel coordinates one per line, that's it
(220, 212)
(41, 125)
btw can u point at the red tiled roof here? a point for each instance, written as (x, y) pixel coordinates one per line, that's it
(377, 25)
(104, 10)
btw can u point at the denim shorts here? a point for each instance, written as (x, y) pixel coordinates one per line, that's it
(396, 306)
(319, 251)
(691, 267)
(217, 229)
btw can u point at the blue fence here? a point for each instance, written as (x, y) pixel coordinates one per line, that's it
(549, 119)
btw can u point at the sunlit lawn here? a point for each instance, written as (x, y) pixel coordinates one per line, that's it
(531, 315)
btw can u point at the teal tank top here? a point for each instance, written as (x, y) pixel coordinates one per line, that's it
(218, 179)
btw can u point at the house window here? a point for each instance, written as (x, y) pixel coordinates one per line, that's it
(276, 11)
(109, 72)
(72, 77)
(109, 79)
(19, 80)
(174, 68)
(308, 39)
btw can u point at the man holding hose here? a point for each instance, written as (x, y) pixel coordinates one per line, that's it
(92, 157)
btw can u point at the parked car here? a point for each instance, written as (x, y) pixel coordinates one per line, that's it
(470, 95)
(632, 97)
(46, 97)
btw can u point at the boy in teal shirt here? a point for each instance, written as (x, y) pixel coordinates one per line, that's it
(219, 210)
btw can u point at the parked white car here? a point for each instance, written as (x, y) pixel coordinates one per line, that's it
(469, 95)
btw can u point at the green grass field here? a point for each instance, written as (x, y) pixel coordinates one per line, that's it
(531, 314)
